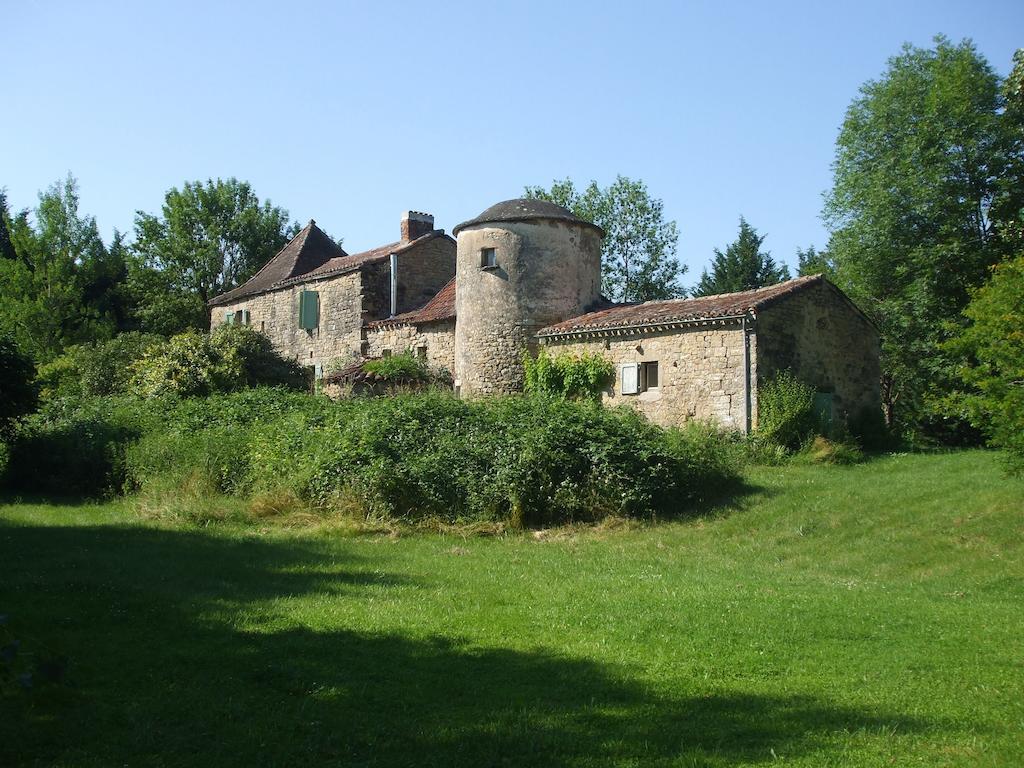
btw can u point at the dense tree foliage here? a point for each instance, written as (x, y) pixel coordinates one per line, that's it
(814, 262)
(232, 357)
(207, 239)
(17, 390)
(638, 255)
(60, 284)
(742, 267)
(924, 170)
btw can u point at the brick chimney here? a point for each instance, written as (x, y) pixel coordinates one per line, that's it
(416, 224)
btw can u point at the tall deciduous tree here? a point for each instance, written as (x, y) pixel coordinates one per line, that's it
(59, 288)
(742, 267)
(920, 169)
(638, 254)
(208, 239)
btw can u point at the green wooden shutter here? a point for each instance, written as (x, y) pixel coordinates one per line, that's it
(229, 318)
(309, 310)
(823, 409)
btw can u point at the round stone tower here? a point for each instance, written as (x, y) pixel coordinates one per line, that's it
(521, 265)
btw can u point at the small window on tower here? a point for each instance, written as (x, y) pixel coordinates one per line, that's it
(488, 259)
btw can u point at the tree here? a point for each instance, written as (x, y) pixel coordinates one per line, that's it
(58, 287)
(638, 254)
(17, 391)
(991, 350)
(743, 266)
(208, 239)
(920, 169)
(6, 245)
(814, 262)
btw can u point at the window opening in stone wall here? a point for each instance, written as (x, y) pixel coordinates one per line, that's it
(629, 380)
(421, 354)
(648, 376)
(488, 258)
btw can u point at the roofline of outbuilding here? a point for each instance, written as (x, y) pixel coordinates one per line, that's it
(313, 277)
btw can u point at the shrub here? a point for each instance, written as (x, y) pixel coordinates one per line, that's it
(397, 369)
(100, 368)
(77, 447)
(528, 461)
(230, 358)
(785, 412)
(573, 377)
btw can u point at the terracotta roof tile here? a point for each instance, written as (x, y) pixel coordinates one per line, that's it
(441, 307)
(679, 311)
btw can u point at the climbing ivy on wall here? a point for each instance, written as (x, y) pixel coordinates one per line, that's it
(571, 377)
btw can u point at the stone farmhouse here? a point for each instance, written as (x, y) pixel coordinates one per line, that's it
(526, 274)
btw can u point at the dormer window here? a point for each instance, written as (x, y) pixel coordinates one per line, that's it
(488, 258)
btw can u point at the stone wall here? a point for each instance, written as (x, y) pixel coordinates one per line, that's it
(700, 372)
(546, 272)
(436, 339)
(825, 341)
(347, 301)
(276, 314)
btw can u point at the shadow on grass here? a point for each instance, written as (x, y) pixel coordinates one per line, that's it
(189, 649)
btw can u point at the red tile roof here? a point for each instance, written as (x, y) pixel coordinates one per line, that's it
(679, 311)
(441, 307)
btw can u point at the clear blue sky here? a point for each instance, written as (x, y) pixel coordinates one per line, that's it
(350, 113)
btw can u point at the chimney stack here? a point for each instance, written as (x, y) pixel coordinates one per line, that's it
(416, 224)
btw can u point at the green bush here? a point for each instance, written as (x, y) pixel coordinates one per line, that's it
(530, 461)
(574, 377)
(100, 368)
(785, 412)
(403, 368)
(231, 358)
(77, 447)
(519, 460)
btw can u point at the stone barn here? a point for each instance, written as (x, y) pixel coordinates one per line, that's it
(526, 274)
(705, 358)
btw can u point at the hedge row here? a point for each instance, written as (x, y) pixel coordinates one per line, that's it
(525, 460)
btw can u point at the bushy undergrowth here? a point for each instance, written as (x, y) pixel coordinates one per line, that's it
(518, 460)
(230, 358)
(574, 377)
(398, 368)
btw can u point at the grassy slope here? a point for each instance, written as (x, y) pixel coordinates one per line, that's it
(833, 616)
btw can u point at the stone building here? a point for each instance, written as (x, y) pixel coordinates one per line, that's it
(526, 274)
(314, 300)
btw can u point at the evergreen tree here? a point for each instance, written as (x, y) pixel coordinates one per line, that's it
(742, 267)
(814, 262)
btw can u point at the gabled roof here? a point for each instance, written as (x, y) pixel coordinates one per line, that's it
(676, 312)
(305, 252)
(441, 307)
(313, 257)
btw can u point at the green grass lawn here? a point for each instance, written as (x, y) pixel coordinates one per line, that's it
(862, 616)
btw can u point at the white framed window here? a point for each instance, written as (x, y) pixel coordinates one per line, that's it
(488, 258)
